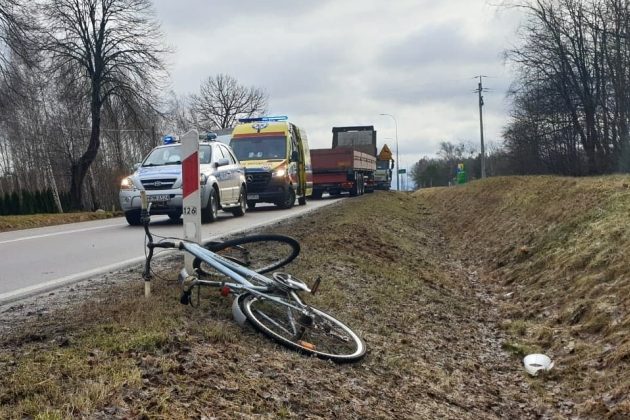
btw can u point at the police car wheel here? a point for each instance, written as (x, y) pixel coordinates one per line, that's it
(211, 212)
(242, 204)
(133, 217)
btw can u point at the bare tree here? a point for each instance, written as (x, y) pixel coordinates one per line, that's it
(14, 33)
(222, 100)
(572, 106)
(106, 48)
(178, 116)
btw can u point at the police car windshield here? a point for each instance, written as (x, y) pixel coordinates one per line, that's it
(172, 155)
(257, 148)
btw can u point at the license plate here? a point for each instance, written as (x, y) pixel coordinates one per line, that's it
(156, 198)
(253, 196)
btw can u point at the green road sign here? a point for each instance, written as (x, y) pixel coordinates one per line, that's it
(402, 171)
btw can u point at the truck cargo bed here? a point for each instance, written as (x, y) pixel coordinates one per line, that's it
(341, 159)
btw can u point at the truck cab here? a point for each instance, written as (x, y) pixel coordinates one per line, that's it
(276, 158)
(384, 166)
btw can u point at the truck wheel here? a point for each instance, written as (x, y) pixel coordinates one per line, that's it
(211, 212)
(289, 199)
(133, 217)
(317, 194)
(251, 204)
(356, 190)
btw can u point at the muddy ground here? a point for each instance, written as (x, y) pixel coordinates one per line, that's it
(429, 318)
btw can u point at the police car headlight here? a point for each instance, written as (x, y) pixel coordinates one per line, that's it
(280, 172)
(127, 184)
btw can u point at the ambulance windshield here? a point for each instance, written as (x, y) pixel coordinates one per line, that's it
(259, 148)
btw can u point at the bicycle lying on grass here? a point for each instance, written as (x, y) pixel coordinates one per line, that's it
(272, 305)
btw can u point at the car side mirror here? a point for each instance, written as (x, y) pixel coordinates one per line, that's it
(221, 162)
(295, 156)
(136, 166)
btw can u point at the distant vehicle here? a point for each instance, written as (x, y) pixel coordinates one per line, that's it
(222, 182)
(384, 166)
(348, 166)
(276, 158)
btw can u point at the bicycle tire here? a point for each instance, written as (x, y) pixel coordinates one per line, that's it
(260, 253)
(271, 318)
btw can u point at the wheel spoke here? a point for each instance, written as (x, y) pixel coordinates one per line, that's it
(272, 321)
(312, 331)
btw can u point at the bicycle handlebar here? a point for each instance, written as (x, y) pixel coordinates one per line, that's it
(145, 218)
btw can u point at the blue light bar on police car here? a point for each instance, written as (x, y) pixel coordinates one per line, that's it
(263, 119)
(169, 139)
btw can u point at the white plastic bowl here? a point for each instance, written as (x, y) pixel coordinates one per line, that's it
(534, 363)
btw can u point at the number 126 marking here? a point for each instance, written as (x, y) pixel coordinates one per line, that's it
(190, 210)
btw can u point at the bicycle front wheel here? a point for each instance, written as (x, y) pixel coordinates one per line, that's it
(313, 331)
(260, 253)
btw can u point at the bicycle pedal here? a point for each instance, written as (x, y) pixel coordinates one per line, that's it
(185, 298)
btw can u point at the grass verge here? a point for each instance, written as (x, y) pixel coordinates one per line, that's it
(449, 288)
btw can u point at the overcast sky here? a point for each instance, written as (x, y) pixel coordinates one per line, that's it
(328, 63)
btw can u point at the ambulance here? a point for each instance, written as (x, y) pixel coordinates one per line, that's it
(276, 158)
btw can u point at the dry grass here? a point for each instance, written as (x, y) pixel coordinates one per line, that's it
(423, 278)
(560, 246)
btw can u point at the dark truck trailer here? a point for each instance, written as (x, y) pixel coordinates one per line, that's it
(342, 169)
(361, 138)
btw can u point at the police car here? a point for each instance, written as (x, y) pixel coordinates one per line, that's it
(222, 182)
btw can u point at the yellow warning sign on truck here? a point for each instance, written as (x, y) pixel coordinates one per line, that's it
(385, 153)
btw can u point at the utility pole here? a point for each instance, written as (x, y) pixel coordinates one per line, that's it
(397, 156)
(479, 90)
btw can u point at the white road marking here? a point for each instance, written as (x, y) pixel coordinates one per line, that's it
(45, 235)
(73, 278)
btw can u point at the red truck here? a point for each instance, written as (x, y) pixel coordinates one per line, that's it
(346, 167)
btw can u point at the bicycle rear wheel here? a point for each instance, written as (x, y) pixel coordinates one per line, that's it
(314, 332)
(260, 253)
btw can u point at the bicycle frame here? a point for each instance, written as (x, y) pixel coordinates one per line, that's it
(226, 267)
(236, 272)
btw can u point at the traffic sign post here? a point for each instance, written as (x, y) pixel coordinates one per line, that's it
(191, 195)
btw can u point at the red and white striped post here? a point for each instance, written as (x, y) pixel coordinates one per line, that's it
(191, 206)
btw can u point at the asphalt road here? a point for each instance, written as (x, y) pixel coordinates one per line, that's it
(37, 260)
